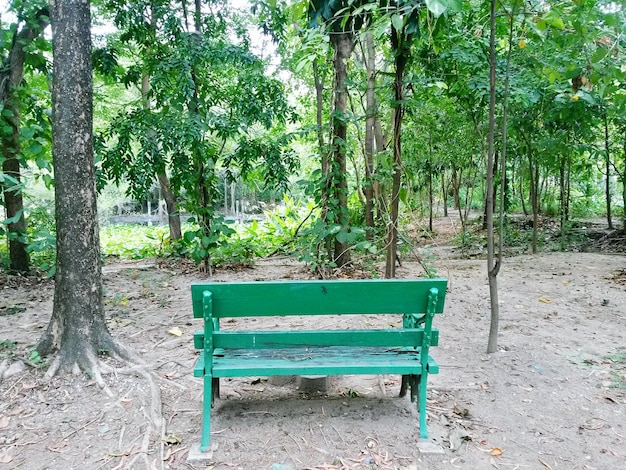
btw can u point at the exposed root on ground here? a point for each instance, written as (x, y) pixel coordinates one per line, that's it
(4, 366)
(88, 356)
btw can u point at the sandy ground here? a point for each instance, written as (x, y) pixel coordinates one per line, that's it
(553, 397)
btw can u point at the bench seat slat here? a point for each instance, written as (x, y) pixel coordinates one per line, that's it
(320, 361)
(319, 338)
(414, 367)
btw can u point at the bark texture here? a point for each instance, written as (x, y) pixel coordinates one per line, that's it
(401, 51)
(77, 330)
(343, 44)
(371, 112)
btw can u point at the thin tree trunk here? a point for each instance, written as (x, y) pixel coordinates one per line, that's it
(562, 198)
(401, 59)
(521, 193)
(430, 199)
(370, 119)
(444, 193)
(10, 79)
(173, 216)
(492, 265)
(343, 44)
(323, 151)
(456, 187)
(607, 149)
(624, 184)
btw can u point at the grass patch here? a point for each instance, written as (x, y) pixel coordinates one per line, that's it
(618, 366)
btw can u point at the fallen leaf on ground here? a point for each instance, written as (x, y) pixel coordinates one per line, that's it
(127, 403)
(176, 332)
(544, 300)
(461, 411)
(496, 452)
(172, 439)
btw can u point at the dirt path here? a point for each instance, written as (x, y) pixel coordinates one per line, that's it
(553, 397)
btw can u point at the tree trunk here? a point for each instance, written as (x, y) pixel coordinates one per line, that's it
(624, 183)
(323, 152)
(401, 58)
(492, 265)
(173, 216)
(430, 199)
(444, 193)
(456, 187)
(534, 196)
(343, 43)
(562, 198)
(10, 79)
(607, 149)
(371, 112)
(77, 329)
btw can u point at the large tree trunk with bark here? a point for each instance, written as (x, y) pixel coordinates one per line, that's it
(11, 77)
(77, 330)
(343, 43)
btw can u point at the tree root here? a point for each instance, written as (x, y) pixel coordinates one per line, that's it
(156, 423)
(83, 354)
(4, 366)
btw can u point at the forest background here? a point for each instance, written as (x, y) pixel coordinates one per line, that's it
(349, 124)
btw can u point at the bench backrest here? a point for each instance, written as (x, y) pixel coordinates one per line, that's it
(279, 298)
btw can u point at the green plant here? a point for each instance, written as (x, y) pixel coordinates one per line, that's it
(134, 241)
(35, 360)
(7, 348)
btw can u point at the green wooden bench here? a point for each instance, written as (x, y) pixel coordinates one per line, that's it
(243, 353)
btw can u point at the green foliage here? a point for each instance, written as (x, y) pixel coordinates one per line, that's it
(199, 243)
(42, 239)
(134, 241)
(618, 374)
(7, 348)
(211, 107)
(35, 360)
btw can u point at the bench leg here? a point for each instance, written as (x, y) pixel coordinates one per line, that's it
(206, 413)
(410, 381)
(216, 390)
(405, 385)
(422, 406)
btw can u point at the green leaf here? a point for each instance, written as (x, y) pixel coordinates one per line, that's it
(397, 22)
(15, 218)
(342, 236)
(600, 54)
(553, 19)
(439, 7)
(35, 148)
(48, 180)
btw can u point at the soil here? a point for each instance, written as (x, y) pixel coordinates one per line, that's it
(552, 397)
